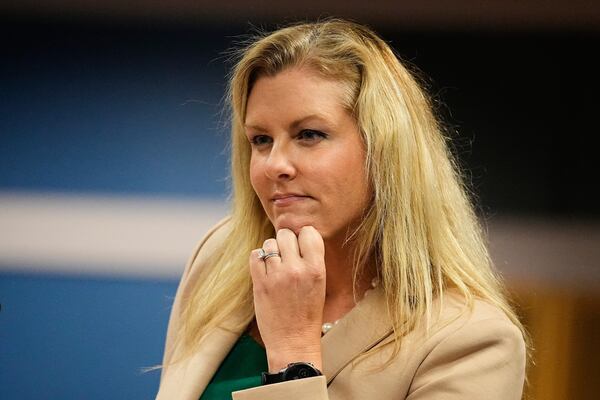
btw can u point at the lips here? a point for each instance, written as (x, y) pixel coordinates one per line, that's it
(284, 199)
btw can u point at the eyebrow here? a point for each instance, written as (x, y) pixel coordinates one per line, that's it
(293, 125)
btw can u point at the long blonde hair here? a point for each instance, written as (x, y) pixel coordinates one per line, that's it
(421, 229)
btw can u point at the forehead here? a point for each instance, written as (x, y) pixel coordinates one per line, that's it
(292, 92)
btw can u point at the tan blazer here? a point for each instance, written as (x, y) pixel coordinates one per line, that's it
(478, 356)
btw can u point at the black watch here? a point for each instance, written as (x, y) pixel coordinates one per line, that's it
(297, 370)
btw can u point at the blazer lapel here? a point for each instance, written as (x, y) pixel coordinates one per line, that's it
(361, 329)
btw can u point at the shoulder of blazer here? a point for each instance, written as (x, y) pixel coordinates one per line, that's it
(207, 245)
(480, 354)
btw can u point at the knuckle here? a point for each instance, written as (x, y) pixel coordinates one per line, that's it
(318, 277)
(295, 274)
(286, 235)
(316, 273)
(284, 232)
(308, 229)
(270, 243)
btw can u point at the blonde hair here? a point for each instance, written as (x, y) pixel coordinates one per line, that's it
(421, 229)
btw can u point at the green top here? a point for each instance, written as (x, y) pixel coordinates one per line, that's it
(240, 370)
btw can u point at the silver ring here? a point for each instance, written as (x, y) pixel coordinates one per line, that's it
(263, 255)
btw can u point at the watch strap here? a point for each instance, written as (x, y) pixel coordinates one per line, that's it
(297, 370)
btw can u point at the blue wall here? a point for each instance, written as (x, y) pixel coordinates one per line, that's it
(81, 338)
(116, 111)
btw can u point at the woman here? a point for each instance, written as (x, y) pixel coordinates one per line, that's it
(352, 266)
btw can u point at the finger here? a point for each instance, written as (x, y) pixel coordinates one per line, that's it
(271, 246)
(311, 245)
(288, 245)
(258, 268)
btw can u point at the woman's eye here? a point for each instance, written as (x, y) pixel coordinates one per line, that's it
(310, 134)
(259, 140)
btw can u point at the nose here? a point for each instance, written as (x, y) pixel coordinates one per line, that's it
(280, 165)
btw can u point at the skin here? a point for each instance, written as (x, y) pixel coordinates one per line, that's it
(307, 168)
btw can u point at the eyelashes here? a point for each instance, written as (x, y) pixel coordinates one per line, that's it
(260, 140)
(308, 136)
(311, 134)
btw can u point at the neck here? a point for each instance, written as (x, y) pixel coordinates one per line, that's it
(339, 265)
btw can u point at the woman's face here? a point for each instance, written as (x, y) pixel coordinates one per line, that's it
(307, 164)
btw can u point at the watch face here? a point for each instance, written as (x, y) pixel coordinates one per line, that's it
(299, 371)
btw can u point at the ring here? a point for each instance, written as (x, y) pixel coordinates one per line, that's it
(263, 255)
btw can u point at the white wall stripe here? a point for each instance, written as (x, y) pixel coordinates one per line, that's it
(548, 252)
(153, 237)
(106, 235)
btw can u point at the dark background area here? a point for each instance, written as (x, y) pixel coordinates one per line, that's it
(520, 106)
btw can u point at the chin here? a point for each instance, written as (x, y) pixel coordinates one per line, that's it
(293, 224)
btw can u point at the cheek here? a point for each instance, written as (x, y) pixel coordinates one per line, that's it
(352, 180)
(342, 187)
(348, 167)
(254, 175)
(256, 184)
(259, 182)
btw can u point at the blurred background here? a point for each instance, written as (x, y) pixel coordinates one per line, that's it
(113, 163)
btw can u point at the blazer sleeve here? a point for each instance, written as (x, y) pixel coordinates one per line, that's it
(301, 389)
(481, 360)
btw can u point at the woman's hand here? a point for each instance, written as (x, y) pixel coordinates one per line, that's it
(289, 294)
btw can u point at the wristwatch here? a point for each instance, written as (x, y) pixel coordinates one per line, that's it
(297, 370)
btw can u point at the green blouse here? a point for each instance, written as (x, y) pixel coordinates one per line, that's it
(240, 370)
